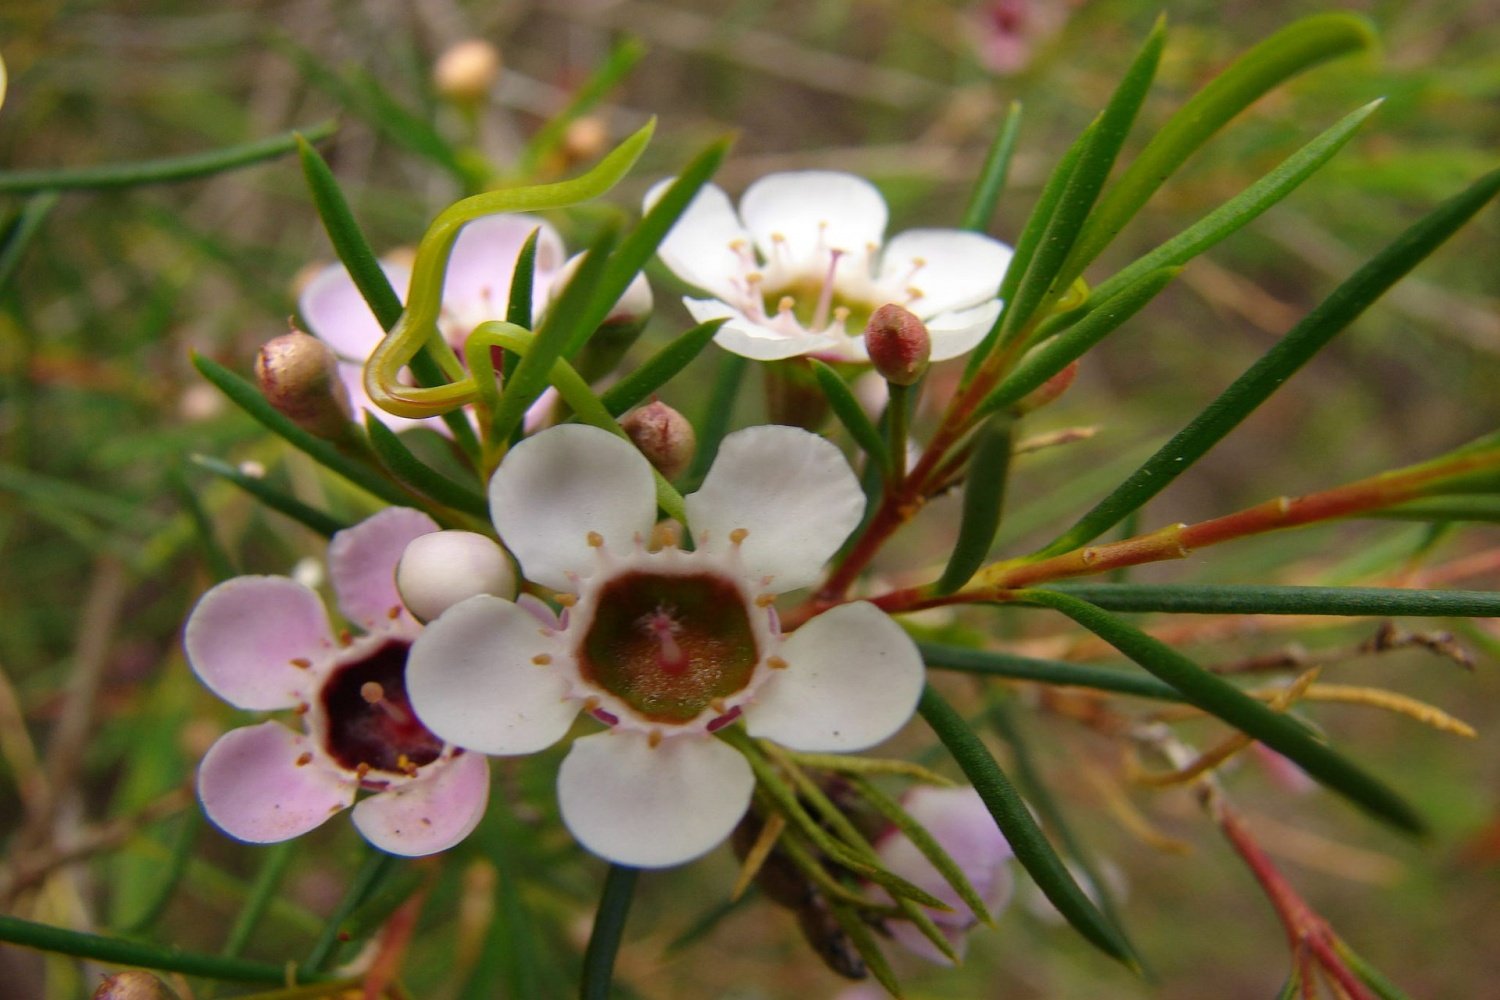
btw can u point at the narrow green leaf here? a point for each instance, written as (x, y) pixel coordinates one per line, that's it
(375, 869)
(569, 314)
(248, 398)
(1053, 268)
(166, 877)
(1232, 599)
(218, 561)
(1058, 672)
(867, 945)
(991, 182)
(609, 929)
(659, 369)
(43, 937)
(323, 523)
(851, 414)
(1368, 974)
(166, 171)
(718, 412)
(520, 310)
(1240, 210)
(614, 68)
(1015, 821)
(1076, 341)
(984, 500)
(22, 229)
(641, 242)
(1223, 700)
(412, 471)
(273, 865)
(1278, 364)
(1292, 50)
(1440, 509)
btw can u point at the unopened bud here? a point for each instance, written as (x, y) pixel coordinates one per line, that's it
(465, 73)
(585, 139)
(898, 344)
(299, 375)
(133, 986)
(663, 435)
(439, 569)
(1049, 390)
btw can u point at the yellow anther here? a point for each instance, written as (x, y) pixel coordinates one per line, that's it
(542, 659)
(567, 600)
(719, 705)
(595, 540)
(764, 600)
(786, 304)
(302, 663)
(305, 759)
(591, 702)
(775, 663)
(738, 535)
(654, 740)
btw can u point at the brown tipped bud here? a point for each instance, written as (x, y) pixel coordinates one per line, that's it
(133, 986)
(585, 139)
(299, 375)
(898, 344)
(465, 73)
(663, 435)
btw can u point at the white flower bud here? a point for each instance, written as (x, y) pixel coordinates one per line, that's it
(440, 569)
(465, 72)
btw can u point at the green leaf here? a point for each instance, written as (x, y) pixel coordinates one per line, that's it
(1278, 364)
(851, 414)
(218, 561)
(609, 929)
(1057, 672)
(167, 171)
(991, 182)
(984, 500)
(1442, 509)
(718, 412)
(1209, 599)
(1240, 210)
(376, 868)
(248, 398)
(1290, 51)
(273, 865)
(21, 230)
(1052, 270)
(1076, 341)
(1368, 974)
(119, 951)
(659, 369)
(319, 521)
(412, 471)
(1223, 700)
(1015, 821)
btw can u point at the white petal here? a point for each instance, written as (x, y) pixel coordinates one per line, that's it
(252, 640)
(430, 814)
(650, 807)
(758, 341)
(700, 249)
(555, 488)
(852, 679)
(477, 285)
(472, 679)
(791, 490)
(253, 789)
(362, 565)
(956, 333)
(336, 313)
(813, 209)
(957, 269)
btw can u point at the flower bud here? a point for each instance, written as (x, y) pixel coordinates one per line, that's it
(620, 329)
(133, 986)
(299, 375)
(663, 435)
(585, 139)
(439, 569)
(465, 72)
(898, 344)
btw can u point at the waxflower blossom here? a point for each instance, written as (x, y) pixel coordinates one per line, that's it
(958, 820)
(476, 289)
(665, 646)
(801, 268)
(264, 643)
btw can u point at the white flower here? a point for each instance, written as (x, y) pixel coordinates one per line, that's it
(800, 269)
(665, 647)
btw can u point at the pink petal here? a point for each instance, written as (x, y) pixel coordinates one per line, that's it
(652, 807)
(477, 285)
(852, 679)
(362, 565)
(253, 789)
(337, 314)
(254, 639)
(430, 814)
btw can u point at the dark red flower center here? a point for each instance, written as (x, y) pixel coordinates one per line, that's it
(669, 646)
(370, 718)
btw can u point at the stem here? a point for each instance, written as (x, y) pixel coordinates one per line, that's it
(609, 928)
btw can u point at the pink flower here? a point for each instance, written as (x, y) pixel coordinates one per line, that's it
(265, 643)
(958, 820)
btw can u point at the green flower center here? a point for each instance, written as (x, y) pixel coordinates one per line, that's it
(669, 646)
(814, 304)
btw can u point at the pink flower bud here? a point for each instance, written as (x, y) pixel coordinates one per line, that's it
(663, 435)
(898, 344)
(299, 375)
(133, 986)
(465, 72)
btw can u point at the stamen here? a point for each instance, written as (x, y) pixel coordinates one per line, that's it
(362, 770)
(913, 293)
(595, 540)
(719, 705)
(785, 305)
(775, 663)
(738, 535)
(302, 709)
(394, 613)
(542, 659)
(567, 600)
(346, 637)
(591, 703)
(608, 718)
(825, 297)
(714, 725)
(374, 694)
(654, 740)
(305, 759)
(302, 663)
(764, 600)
